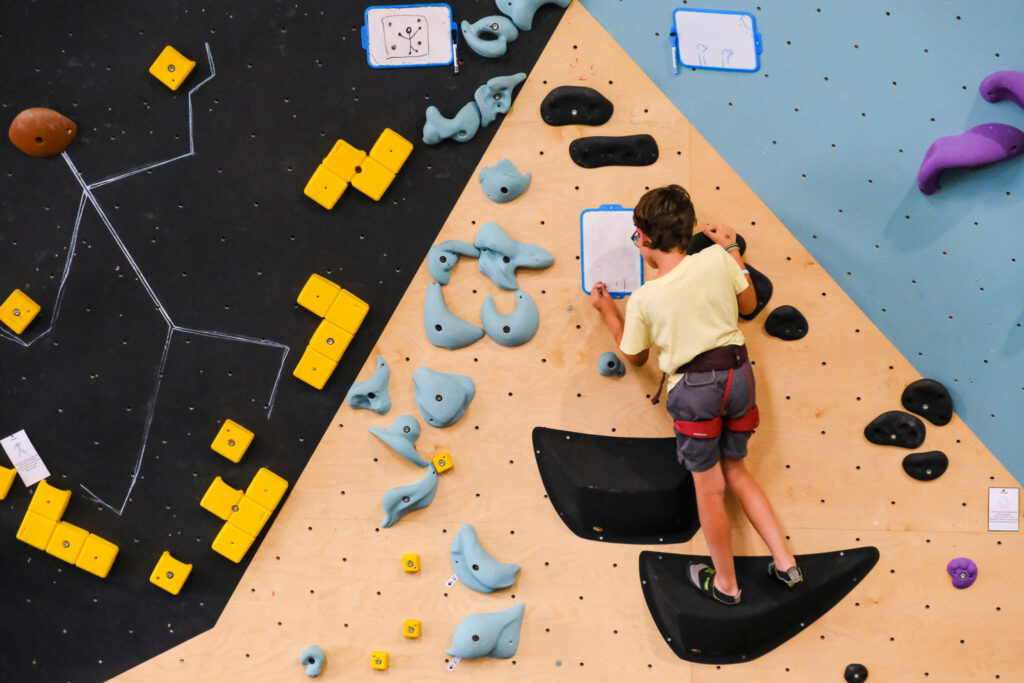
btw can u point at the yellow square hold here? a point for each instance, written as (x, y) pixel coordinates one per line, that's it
(232, 542)
(35, 530)
(49, 501)
(172, 68)
(318, 294)
(7, 475)
(18, 311)
(344, 159)
(412, 628)
(232, 440)
(348, 311)
(443, 461)
(411, 562)
(221, 499)
(324, 187)
(66, 542)
(97, 556)
(250, 516)
(379, 660)
(330, 340)
(314, 368)
(170, 574)
(372, 179)
(391, 150)
(266, 488)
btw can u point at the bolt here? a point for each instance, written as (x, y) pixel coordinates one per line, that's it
(170, 67)
(231, 442)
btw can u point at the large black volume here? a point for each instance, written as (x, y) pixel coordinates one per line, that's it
(574, 104)
(628, 150)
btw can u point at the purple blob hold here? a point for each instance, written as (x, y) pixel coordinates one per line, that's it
(1004, 85)
(980, 145)
(963, 572)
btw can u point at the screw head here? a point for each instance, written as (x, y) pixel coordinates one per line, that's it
(170, 67)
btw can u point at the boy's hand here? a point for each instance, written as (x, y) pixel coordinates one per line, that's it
(722, 235)
(600, 299)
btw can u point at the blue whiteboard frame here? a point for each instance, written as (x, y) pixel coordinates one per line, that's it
(364, 35)
(604, 208)
(677, 57)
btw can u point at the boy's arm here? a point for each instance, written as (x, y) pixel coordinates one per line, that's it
(600, 299)
(725, 236)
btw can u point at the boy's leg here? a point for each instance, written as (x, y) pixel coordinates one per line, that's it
(757, 508)
(710, 488)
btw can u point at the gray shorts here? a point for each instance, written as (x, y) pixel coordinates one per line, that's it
(697, 397)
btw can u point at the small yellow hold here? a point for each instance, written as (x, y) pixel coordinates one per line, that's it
(412, 628)
(391, 150)
(18, 311)
(411, 562)
(325, 188)
(250, 516)
(314, 368)
(318, 294)
(443, 462)
(170, 574)
(172, 68)
(232, 440)
(49, 501)
(372, 179)
(379, 660)
(343, 160)
(348, 311)
(7, 475)
(97, 556)
(66, 542)
(330, 340)
(266, 488)
(232, 542)
(221, 499)
(36, 530)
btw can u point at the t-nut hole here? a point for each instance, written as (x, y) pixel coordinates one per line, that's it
(437, 327)
(504, 190)
(506, 329)
(405, 499)
(407, 429)
(475, 637)
(439, 398)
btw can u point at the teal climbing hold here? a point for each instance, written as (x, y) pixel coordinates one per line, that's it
(404, 499)
(514, 329)
(442, 397)
(461, 128)
(372, 393)
(475, 567)
(491, 634)
(610, 364)
(313, 659)
(490, 36)
(521, 11)
(495, 96)
(442, 258)
(503, 182)
(401, 437)
(500, 255)
(443, 327)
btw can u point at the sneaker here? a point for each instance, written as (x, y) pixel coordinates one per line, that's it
(703, 577)
(790, 577)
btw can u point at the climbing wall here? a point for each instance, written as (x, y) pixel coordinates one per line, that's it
(327, 572)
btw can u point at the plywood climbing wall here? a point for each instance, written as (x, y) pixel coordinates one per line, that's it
(328, 574)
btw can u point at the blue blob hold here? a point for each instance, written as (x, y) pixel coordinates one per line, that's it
(521, 11)
(404, 499)
(495, 96)
(516, 328)
(373, 393)
(442, 396)
(313, 659)
(475, 567)
(500, 255)
(503, 182)
(493, 634)
(442, 258)
(443, 327)
(610, 364)
(461, 128)
(501, 32)
(401, 437)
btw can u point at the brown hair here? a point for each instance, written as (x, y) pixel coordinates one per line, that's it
(666, 216)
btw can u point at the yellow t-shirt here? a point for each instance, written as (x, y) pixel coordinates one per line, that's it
(689, 310)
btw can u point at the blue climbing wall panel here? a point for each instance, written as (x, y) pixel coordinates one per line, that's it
(830, 133)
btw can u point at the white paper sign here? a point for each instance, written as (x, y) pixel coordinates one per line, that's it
(1004, 509)
(25, 459)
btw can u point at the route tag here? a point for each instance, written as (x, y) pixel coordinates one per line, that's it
(25, 459)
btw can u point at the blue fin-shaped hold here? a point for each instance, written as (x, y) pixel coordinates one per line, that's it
(401, 437)
(313, 659)
(475, 567)
(372, 393)
(491, 634)
(442, 396)
(521, 11)
(404, 499)
(443, 256)
(461, 128)
(514, 329)
(503, 182)
(495, 96)
(500, 255)
(443, 327)
(500, 31)
(610, 364)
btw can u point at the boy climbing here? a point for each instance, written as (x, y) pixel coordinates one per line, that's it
(690, 312)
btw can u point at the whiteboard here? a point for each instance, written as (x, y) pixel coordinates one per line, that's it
(408, 35)
(710, 39)
(607, 252)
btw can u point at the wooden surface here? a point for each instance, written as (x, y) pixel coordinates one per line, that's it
(327, 573)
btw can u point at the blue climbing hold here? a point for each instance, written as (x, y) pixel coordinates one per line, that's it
(313, 659)
(372, 393)
(514, 329)
(494, 634)
(503, 182)
(495, 96)
(500, 255)
(442, 397)
(521, 11)
(490, 36)
(404, 499)
(442, 258)
(461, 128)
(475, 567)
(401, 437)
(443, 327)
(610, 364)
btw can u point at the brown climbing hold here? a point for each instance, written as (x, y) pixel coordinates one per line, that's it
(42, 132)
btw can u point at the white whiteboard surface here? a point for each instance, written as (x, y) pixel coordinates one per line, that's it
(607, 253)
(709, 39)
(408, 35)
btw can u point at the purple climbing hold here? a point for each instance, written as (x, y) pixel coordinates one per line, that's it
(980, 145)
(963, 572)
(1004, 85)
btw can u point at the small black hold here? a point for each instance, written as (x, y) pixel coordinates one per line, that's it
(763, 288)
(930, 400)
(785, 322)
(926, 466)
(699, 242)
(855, 673)
(895, 428)
(628, 150)
(570, 104)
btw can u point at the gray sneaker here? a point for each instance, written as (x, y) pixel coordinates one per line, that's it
(702, 576)
(790, 577)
